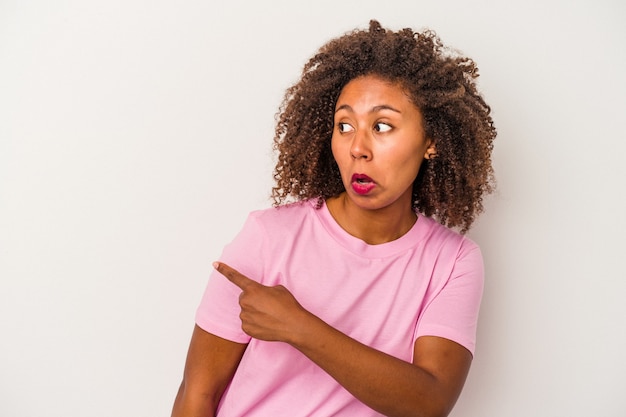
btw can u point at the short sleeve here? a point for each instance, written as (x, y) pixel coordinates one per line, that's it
(452, 313)
(218, 312)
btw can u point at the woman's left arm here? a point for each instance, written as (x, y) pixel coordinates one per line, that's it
(427, 387)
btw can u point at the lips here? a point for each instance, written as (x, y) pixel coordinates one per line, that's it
(362, 184)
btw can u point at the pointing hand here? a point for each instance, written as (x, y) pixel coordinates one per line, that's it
(267, 313)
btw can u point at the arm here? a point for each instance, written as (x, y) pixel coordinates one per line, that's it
(427, 387)
(211, 364)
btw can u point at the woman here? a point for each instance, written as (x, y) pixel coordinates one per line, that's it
(353, 297)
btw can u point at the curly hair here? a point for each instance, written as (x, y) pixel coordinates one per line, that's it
(441, 84)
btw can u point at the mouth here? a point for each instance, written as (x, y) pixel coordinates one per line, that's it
(361, 178)
(362, 184)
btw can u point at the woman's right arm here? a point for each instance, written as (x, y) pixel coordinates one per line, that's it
(211, 364)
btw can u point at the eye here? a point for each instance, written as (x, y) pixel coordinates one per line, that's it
(382, 127)
(344, 127)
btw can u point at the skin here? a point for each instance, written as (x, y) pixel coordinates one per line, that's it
(378, 132)
(211, 364)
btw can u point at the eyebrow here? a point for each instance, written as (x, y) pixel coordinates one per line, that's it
(374, 109)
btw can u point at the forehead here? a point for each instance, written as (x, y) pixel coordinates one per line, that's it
(373, 90)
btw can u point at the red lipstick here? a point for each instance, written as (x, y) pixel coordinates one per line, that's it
(362, 184)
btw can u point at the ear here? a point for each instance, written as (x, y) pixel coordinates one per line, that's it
(431, 151)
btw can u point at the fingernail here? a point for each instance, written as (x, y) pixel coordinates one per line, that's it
(215, 265)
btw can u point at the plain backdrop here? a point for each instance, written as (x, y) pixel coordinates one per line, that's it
(135, 136)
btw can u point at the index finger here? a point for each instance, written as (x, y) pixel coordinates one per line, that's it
(234, 276)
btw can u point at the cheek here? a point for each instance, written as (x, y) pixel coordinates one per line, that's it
(410, 165)
(333, 147)
(337, 152)
(417, 163)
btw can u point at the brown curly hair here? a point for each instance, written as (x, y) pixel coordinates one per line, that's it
(440, 82)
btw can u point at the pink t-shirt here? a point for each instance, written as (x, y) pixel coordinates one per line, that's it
(428, 282)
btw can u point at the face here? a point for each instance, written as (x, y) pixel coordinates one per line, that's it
(378, 142)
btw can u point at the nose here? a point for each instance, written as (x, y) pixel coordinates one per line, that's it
(360, 147)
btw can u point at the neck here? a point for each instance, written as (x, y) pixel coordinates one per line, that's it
(372, 226)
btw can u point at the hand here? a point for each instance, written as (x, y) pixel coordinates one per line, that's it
(267, 313)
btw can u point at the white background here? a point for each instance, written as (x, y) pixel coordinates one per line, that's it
(135, 136)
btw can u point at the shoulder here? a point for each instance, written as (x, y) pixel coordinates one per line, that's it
(283, 218)
(434, 231)
(439, 239)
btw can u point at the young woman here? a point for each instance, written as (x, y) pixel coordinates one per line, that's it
(354, 296)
